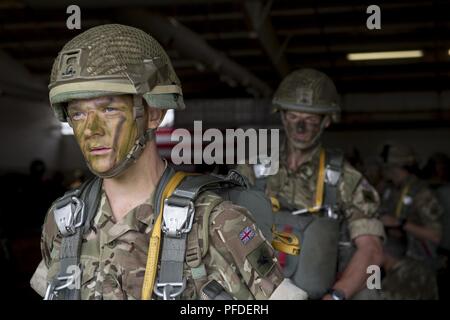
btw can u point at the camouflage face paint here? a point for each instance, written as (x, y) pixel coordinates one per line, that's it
(104, 129)
(301, 128)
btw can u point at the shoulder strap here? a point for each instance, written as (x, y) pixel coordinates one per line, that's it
(191, 187)
(73, 215)
(333, 173)
(176, 221)
(173, 251)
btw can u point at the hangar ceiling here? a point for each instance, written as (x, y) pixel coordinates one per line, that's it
(243, 48)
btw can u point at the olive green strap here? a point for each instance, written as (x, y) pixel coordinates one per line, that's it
(205, 224)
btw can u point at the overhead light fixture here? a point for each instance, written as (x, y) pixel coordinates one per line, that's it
(449, 52)
(385, 55)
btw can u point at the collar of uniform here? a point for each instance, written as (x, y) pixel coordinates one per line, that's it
(307, 168)
(133, 220)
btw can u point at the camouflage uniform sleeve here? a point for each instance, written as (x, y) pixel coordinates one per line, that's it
(243, 257)
(429, 210)
(360, 204)
(49, 237)
(49, 232)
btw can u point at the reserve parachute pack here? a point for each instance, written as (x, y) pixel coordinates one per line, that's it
(309, 239)
(174, 201)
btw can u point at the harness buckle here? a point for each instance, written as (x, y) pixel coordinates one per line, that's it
(177, 219)
(332, 175)
(264, 167)
(69, 220)
(330, 212)
(52, 289)
(169, 291)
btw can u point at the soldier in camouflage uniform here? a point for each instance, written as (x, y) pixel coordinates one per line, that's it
(100, 82)
(409, 209)
(308, 102)
(406, 278)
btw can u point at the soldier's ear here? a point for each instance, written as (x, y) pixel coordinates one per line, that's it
(155, 117)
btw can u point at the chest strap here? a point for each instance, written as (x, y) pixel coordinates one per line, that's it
(333, 173)
(330, 172)
(169, 184)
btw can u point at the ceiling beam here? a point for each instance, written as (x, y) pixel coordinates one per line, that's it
(258, 14)
(42, 4)
(190, 45)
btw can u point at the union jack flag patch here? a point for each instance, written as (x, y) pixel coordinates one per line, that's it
(246, 235)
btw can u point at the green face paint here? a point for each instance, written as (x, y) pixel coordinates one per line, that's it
(301, 128)
(104, 129)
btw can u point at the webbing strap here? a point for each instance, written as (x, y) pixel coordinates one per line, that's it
(70, 251)
(178, 191)
(319, 184)
(333, 172)
(155, 239)
(172, 259)
(191, 187)
(205, 224)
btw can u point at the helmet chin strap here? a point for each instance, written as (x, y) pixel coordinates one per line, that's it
(144, 135)
(314, 142)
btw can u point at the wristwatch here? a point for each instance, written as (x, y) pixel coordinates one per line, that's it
(336, 294)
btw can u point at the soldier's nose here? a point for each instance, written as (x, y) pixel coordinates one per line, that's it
(93, 125)
(301, 127)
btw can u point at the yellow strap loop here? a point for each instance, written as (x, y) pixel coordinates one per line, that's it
(320, 184)
(155, 239)
(286, 242)
(288, 249)
(275, 204)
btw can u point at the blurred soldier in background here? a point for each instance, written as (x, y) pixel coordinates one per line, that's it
(326, 227)
(412, 214)
(437, 173)
(406, 278)
(409, 208)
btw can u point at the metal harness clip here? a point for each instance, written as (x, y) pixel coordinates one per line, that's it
(52, 289)
(67, 219)
(169, 291)
(176, 219)
(332, 175)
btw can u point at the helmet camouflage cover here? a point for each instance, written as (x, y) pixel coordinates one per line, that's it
(307, 90)
(397, 154)
(114, 59)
